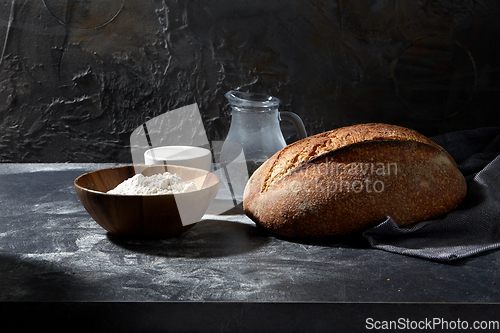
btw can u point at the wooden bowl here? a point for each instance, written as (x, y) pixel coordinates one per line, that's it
(155, 216)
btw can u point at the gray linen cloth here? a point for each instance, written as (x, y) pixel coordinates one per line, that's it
(473, 227)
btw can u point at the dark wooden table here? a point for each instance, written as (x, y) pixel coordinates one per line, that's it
(59, 268)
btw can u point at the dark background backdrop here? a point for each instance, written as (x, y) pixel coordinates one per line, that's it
(77, 77)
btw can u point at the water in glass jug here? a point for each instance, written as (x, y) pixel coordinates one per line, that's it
(255, 133)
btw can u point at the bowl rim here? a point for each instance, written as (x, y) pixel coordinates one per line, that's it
(144, 195)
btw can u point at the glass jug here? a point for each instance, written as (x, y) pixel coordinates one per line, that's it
(255, 133)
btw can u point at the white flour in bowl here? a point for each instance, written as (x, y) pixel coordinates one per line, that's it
(162, 183)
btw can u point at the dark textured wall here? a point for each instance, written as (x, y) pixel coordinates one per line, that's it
(77, 77)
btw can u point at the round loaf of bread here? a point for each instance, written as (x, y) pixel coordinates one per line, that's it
(345, 180)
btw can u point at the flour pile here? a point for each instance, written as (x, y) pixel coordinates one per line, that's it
(162, 183)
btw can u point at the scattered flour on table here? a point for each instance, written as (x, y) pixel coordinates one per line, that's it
(162, 183)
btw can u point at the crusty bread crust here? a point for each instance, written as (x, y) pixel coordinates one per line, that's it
(346, 180)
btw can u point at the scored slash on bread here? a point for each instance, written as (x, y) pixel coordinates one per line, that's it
(302, 192)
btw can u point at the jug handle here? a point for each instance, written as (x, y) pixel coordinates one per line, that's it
(296, 120)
